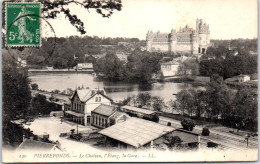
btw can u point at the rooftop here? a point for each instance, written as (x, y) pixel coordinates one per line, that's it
(116, 115)
(85, 94)
(171, 63)
(139, 110)
(136, 132)
(106, 110)
(29, 144)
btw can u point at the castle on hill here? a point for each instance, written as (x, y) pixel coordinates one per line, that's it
(186, 40)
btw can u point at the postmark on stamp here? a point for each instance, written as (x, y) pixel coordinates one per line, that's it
(23, 24)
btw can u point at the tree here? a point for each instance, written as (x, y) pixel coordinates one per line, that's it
(34, 86)
(205, 132)
(112, 68)
(126, 101)
(51, 9)
(16, 90)
(185, 98)
(16, 99)
(40, 105)
(232, 65)
(143, 98)
(218, 97)
(174, 141)
(188, 124)
(189, 66)
(13, 134)
(157, 103)
(245, 109)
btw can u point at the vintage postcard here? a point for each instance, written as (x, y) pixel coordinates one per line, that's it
(129, 81)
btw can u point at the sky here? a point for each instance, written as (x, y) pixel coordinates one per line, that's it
(227, 19)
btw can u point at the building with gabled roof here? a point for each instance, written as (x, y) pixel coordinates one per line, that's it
(83, 102)
(85, 66)
(106, 115)
(33, 145)
(138, 112)
(135, 133)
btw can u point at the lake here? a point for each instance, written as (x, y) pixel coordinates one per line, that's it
(115, 90)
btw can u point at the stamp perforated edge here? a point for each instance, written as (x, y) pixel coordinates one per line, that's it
(20, 45)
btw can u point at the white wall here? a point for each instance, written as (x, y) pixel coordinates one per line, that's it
(93, 104)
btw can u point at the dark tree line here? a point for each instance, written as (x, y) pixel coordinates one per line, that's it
(248, 44)
(16, 89)
(16, 100)
(140, 67)
(40, 105)
(231, 65)
(70, 51)
(236, 108)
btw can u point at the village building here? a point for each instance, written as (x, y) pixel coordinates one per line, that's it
(251, 83)
(174, 67)
(67, 105)
(122, 57)
(30, 145)
(136, 133)
(85, 66)
(185, 40)
(170, 68)
(189, 140)
(138, 112)
(236, 80)
(106, 115)
(22, 62)
(83, 102)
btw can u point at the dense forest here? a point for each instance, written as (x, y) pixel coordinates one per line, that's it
(221, 59)
(248, 44)
(235, 108)
(230, 62)
(67, 52)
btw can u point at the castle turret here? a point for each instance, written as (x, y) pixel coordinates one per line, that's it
(197, 24)
(149, 38)
(173, 41)
(195, 42)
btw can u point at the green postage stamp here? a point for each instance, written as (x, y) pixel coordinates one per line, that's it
(23, 24)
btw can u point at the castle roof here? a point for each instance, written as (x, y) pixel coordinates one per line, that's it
(161, 37)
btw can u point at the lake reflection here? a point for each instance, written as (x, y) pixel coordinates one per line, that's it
(115, 90)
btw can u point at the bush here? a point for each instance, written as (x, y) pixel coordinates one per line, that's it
(174, 141)
(205, 132)
(188, 124)
(212, 145)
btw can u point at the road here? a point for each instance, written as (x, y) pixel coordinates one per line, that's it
(53, 126)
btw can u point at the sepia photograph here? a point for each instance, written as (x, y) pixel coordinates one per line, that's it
(129, 81)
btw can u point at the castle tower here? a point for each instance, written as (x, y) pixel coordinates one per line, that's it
(173, 41)
(195, 42)
(197, 25)
(204, 36)
(149, 38)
